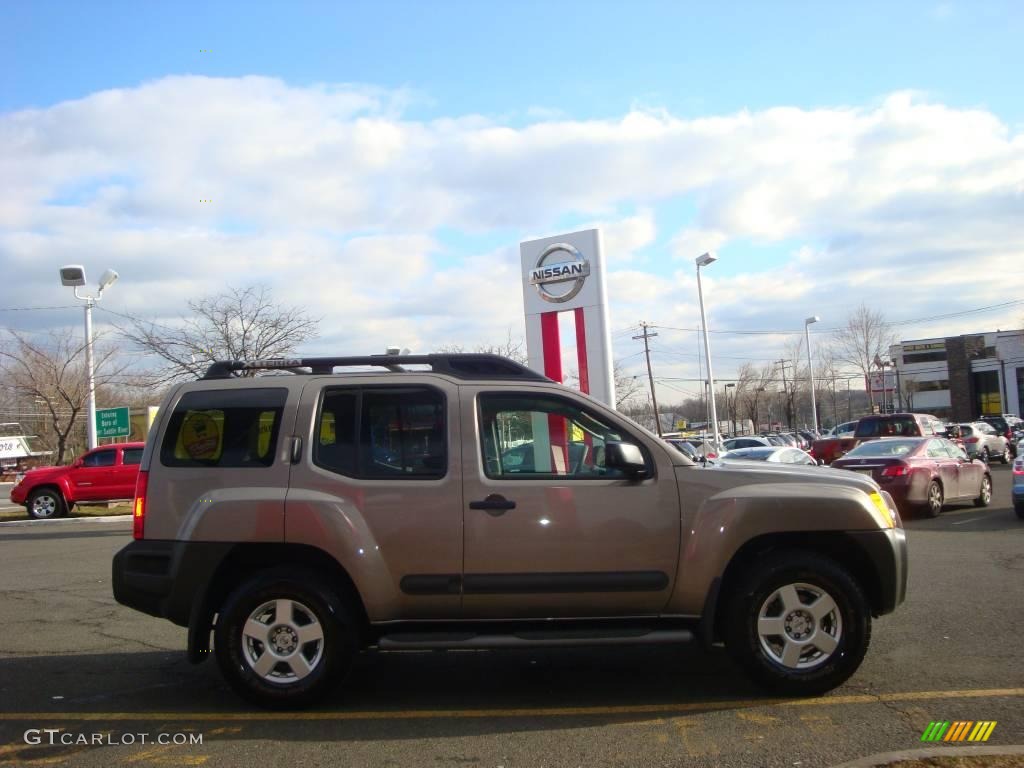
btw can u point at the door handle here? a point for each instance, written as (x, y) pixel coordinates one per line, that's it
(494, 504)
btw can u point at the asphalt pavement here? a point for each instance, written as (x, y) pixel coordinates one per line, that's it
(73, 659)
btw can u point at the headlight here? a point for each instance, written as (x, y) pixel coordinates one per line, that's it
(883, 509)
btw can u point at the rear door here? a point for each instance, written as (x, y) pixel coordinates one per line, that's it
(378, 488)
(947, 468)
(549, 529)
(969, 472)
(127, 471)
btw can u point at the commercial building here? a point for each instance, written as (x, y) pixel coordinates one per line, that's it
(959, 377)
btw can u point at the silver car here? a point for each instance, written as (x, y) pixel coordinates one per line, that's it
(982, 442)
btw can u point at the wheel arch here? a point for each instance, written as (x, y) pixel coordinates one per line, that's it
(836, 545)
(244, 561)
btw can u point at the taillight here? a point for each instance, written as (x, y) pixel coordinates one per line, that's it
(970, 439)
(139, 509)
(896, 470)
(1018, 467)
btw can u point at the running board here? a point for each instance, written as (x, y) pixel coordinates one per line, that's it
(418, 641)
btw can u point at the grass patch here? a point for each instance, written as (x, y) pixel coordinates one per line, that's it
(89, 510)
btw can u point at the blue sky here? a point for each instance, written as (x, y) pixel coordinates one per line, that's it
(587, 59)
(827, 151)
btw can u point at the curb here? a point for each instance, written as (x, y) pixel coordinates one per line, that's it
(887, 758)
(67, 520)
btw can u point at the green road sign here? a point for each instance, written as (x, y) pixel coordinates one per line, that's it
(112, 422)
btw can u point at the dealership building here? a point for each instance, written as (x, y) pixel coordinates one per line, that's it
(959, 377)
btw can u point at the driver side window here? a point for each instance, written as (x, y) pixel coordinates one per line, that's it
(543, 437)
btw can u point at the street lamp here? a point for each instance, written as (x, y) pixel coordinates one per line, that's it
(810, 369)
(702, 261)
(73, 276)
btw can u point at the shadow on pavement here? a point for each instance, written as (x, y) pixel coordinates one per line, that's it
(165, 684)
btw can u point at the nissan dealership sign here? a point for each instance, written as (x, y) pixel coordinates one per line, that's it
(565, 274)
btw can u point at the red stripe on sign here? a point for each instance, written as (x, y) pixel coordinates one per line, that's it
(552, 346)
(581, 351)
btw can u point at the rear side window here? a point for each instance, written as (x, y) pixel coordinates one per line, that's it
(382, 433)
(224, 428)
(131, 456)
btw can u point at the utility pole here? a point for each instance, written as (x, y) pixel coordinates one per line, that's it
(647, 353)
(785, 392)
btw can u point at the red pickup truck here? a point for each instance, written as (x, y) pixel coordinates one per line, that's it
(103, 474)
(829, 449)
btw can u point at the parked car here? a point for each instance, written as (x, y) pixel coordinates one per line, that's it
(982, 441)
(772, 453)
(842, 430)
(285, 540)
(1008, 426)
(876, 426)
(1018, 482)
(107, 473)
(687, 448)
(744, 442)
(774, 438)
(922, 472)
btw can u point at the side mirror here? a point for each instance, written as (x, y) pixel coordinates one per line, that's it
(78, 462)
(625, 456)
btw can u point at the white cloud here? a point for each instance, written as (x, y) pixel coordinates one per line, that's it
(339, 201)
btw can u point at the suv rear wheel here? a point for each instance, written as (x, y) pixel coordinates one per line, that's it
(800, 625)
(46, 503)
(282, 641)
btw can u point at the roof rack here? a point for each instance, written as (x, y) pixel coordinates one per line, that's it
(461, 366)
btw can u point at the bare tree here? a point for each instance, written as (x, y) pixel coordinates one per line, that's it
(752, 386)
(513, 348)
(52, 376)
(238, 324)
(627, 386)
(865, 336)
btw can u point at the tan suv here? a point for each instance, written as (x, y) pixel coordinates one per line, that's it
(464, 501)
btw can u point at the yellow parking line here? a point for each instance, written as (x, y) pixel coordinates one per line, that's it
(427, 714)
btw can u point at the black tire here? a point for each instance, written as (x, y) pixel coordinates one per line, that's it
(851, 617)
(1019, 509)
(936, 500)
(1005, 458)
(46, 504)
(985, 455)
(984, 492)
(332, 654)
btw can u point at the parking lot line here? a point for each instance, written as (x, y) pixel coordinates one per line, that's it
(428, 714)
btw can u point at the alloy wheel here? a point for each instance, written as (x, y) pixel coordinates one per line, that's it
(282, 641)
(799, 626)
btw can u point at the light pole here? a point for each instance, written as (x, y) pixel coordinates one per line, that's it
(73, 276)
(810, 369)
(702, 261)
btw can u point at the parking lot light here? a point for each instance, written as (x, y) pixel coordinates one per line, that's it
(702, 261)
(73, 276)
(810, 369)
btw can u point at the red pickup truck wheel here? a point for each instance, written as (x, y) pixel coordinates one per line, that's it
(46, 503)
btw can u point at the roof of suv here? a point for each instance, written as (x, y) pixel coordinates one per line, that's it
(457, 365)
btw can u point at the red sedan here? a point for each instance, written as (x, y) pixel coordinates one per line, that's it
(921, 472)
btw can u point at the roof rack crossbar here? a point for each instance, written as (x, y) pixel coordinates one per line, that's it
(473, 365)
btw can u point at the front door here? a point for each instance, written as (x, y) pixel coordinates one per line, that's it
(94, 477)
(549, 529)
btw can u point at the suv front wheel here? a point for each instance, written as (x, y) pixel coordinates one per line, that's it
(46, 503)
(281, 641)
(800, 625)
